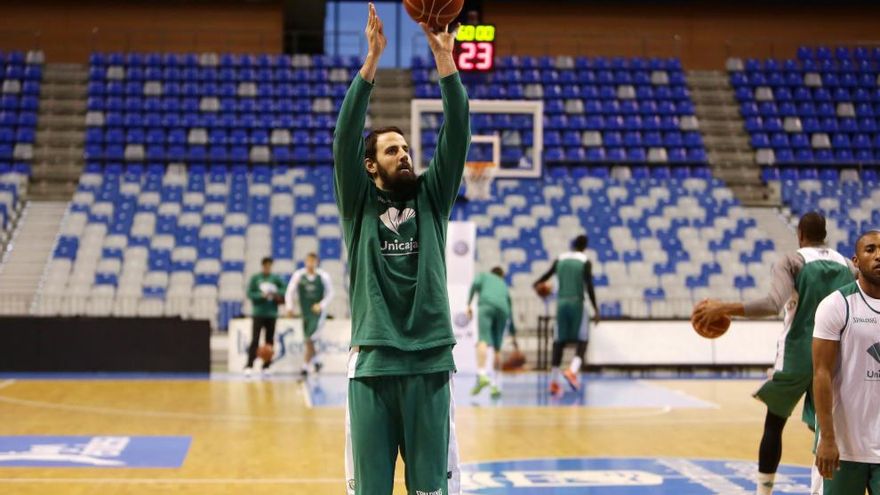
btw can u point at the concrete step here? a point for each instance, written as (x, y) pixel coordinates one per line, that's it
(66, 137)
(44, 171)
(67, 106)
(52, 190)
(56, 154)
(724, 141)
(57, 122)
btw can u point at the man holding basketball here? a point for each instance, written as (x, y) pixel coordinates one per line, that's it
(800, 280)
(264, 291)
(574, 272)
(394, 225)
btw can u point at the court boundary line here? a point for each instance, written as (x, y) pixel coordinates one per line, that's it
(7, 383)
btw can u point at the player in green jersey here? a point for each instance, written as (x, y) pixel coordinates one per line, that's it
(264, 291)
(574, 274)
(394, 226)
(495, 315)
(311, 290)
(800, 280)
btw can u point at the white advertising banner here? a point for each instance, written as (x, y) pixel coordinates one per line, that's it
(461, 241)
(332, 345)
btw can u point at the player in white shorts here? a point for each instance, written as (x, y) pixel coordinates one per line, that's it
(846, 379)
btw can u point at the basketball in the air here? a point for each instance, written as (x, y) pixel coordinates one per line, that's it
(543, 289)
(435, 13)
(714, 329)
(265, 352)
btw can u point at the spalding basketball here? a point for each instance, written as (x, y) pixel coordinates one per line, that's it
(265, 352)
(435, 13)
(714, 329)
(543, 289)
(514, 361)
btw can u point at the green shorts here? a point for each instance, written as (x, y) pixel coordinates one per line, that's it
(853, 478)
(312, 323)
(572, 321)
(492, 322)
(411, 414)
(782, 392)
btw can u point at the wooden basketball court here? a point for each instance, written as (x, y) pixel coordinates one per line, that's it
(268, 437)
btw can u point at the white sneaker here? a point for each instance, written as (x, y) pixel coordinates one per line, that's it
(248, 372)
(266, 372)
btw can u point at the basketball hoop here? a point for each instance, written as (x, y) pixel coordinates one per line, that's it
(478, 180)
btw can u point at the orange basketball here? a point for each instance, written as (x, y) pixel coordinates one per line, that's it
(435, 13)
(543, 289)
(714, 329)
(265, 352)
(514, 361)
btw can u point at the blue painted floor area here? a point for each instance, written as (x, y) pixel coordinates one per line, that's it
(531, 389)
(624, 476)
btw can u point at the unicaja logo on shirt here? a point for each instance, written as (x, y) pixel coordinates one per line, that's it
(874, 351)
(394, 218)
(873, 375)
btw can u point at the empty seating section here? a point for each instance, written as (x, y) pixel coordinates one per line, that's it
(19, 102)
(659, 239)
(13, 187)
(850, 201)
(596, 110)
(820, 108)
(207, 108)
(156, 240)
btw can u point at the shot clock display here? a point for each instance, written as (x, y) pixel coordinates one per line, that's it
(475, 48)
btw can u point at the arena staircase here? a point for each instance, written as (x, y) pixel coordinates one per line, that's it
(390, 103)
(58, 151)
(726, 140)
(25, 258)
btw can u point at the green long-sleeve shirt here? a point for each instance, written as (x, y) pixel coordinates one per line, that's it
(396, 245)
(258, 287)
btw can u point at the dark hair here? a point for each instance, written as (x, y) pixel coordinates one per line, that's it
(312, 255)
(498, 271)
(373, 137)
(580, 242)
(812, 227)
(267, 259)
(862, 238)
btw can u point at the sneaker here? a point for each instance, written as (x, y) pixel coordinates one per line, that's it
(555, 389)
(303, 374)
(496, 392)
(572, 379)
(266, 372)
(318, 367)
(482, 382)
(248, 372)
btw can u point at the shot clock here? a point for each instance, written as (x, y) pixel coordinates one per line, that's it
(475, 48)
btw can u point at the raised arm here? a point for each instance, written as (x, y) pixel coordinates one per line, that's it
(349, 175)
(454, 138)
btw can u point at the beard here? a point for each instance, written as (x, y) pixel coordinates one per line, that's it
(398, 181)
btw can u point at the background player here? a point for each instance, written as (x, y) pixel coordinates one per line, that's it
(574, 274)
(846, 360)
(264, 291)
(799, 281)
(495, 313)
(394, 225)
(311, 289)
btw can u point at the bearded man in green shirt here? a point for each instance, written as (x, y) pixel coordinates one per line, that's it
(394, 226)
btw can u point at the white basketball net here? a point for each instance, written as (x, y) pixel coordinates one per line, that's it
(478, 180)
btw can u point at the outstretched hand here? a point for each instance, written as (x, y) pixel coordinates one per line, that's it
(375, 33)
(440, 41)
